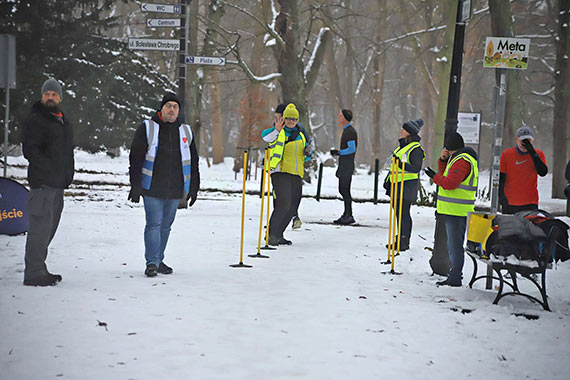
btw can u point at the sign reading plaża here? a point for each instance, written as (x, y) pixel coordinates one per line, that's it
(153, 44)
(506, 53)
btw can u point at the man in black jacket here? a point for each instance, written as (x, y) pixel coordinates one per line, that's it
(47, 142)
(164, 170)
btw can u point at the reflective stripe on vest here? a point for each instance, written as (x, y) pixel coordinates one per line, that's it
(288, 157)
(403, 154)
(459, 201)
(186, 136)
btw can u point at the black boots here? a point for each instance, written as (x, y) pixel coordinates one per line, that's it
(404, 244)
(151, 270)
(164, 269)
(47, 280)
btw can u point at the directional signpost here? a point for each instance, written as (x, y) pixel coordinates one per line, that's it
(163, 22)
(153, 44)
(161, 8)
(195, 60)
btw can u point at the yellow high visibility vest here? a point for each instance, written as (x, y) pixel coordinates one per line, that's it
(288, 158)
(403, 153)
(460, 201)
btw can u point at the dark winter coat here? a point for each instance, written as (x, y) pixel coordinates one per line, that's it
(167, 181)
(416, 159)
(47, 142)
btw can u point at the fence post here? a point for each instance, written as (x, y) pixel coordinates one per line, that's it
(319, 182)
(376, 165)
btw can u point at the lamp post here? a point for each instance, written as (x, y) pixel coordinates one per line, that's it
(439, 261)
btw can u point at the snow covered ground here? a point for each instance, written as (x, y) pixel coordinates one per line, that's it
(319, 309)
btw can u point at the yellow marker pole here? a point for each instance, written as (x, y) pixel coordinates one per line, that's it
(265, 166)
(267, 247)
(391, 204)
(394, 204)
(241, 264)
(400, 211)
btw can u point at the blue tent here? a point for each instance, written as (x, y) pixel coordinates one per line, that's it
(13, 215)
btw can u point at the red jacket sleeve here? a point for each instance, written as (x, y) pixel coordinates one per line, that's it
(457, 174)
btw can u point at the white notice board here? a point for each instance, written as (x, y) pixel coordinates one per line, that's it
(469, 126)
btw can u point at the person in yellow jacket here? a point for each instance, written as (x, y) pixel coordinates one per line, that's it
(457, 180)
(409, 152)
(289, 147)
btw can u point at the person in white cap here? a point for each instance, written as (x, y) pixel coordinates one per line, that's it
(520, 167)
(47, 142)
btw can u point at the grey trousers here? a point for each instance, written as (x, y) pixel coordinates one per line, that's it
(44, 207)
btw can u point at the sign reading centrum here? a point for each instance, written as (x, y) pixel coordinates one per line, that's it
(153, 44)
(162, 22)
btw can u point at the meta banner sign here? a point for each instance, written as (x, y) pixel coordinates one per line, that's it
(506, 53)
(13, 216)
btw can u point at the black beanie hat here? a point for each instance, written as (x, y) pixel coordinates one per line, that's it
(347, 114)
(280, 108)
(169, 97)
(454, 141)
(413, 126)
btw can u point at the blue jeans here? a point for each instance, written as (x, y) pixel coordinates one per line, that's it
(159, 215)
(455, 228)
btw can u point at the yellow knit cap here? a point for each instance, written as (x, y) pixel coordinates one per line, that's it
(291, 112)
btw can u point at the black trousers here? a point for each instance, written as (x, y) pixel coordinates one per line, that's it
(44, 207)
(344, 183)
(406, 228)
(288, 190)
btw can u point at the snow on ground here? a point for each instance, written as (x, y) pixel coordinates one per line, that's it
(319, 309)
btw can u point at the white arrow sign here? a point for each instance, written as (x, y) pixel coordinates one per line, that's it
(194, 60)
(153, 44)
(162, 22)
(161, 8)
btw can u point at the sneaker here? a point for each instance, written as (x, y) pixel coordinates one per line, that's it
(273, 240)
(446, 282)
(345, 220)
(297, 223)
(284, 241)
(46, 280)
(339, 220)
(164, 269)
(151, 270)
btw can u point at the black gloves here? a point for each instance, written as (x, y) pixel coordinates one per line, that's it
(335, 152)
(528, 145)
(134, 194)
(192, 197)
(430, 172)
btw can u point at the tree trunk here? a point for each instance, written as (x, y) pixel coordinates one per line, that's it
(561, 100)
(253, 88)
(502, 26)
(216, 110)
(193, 101)
(379, 66)
(444, 72)
(348, 90)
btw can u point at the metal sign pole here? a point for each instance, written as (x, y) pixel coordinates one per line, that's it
(498, 141)
(7, 113)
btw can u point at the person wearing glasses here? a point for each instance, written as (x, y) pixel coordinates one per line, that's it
(289, 147)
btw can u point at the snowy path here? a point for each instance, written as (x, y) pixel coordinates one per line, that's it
(320, 309)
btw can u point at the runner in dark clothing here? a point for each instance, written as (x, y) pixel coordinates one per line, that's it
(347, 152)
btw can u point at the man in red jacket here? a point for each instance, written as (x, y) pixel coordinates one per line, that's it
(457, 180)
(520, 165)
